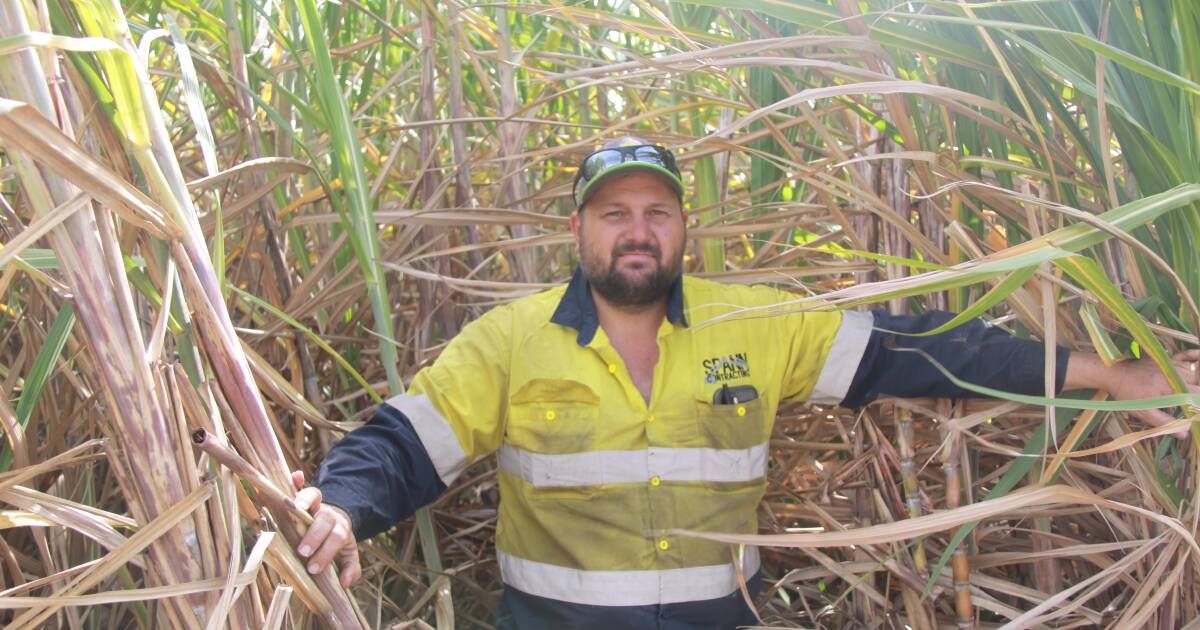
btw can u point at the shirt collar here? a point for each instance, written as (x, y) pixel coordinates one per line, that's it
(577, 309)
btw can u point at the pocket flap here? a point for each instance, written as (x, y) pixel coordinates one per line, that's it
(546, 390)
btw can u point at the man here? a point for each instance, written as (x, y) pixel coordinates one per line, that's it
(621, 413)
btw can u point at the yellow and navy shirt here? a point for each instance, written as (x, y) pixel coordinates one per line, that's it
(594, 479)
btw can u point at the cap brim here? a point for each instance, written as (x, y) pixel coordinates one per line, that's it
(628, 167)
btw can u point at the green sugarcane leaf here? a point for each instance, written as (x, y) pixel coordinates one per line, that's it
(102, 19)
(825, 19)
(705, 192)
(204, 135)
(1101, 340)
(9, 45)
(345, 153)
(911, 263)
(41, 371)
(1060, 243)
(145, 286)
(1088, 274)
(994, 296)
(359, 217)
(38, 258)
(967, 275)
(1108, 51)
(314, 337)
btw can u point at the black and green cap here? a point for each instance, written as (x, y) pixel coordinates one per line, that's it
(625, 155)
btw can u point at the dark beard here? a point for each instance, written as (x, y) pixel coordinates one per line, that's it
(619, 290)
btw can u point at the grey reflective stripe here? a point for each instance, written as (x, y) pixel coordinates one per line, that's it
(624, 588)
(844, 356)
(604, 467)
(437, 437)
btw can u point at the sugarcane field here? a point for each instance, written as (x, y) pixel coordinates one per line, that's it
(605, 314)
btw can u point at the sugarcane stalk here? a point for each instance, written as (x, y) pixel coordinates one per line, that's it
(275, 499)
(292, 520)
(139, 119)
(960, 569)
(912, 491)
(222, 347)
(912, 500)
(105, 309)
(464, 191)
(344, 613)
(273, 241)
(512, 135)
(429, 546)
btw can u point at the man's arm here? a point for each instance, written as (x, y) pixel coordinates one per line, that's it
(973, 352)
(379, 474)
(985, 355)
(376, 476)
(415, 445)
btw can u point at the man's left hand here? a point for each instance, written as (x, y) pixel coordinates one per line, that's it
(1130, 380)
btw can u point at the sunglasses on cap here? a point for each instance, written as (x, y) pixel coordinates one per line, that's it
(604, 162)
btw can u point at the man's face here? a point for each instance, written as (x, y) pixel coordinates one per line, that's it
(630, 236)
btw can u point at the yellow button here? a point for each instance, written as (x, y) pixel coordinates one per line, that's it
(655, 480)
(650, 418)
(550, 415)
(664, 545)
(612, 368)
(741, 411)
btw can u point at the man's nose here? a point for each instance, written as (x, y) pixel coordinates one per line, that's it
(639, 229)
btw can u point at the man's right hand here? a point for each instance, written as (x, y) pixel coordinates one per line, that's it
(330, 537)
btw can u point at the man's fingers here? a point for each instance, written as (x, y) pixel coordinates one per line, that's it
(1158, 418)
(1189, 370)
(349, 566)
(298, 479)
(1155, 417)
(1188, 364)
(338, 537)
(308, 499)
(317, 533)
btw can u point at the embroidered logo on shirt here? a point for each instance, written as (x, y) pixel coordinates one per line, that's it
(726, 368)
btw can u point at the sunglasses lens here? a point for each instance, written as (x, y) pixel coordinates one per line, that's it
(656, 155)
(647, 154)
(600, 161)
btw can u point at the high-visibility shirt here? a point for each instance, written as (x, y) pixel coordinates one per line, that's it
(594, 480)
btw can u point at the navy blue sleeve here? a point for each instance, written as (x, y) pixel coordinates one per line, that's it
(973, 352)
(379, 473)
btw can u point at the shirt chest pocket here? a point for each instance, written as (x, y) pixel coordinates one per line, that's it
(732, 426)
(553, 416)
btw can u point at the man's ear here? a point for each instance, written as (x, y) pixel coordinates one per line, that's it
(576, 220)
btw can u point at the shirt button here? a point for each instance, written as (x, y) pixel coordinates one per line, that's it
(550, 415)
(655, 480)
(664, 545)
(741, 411)
(650, 418)
(612, 368)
